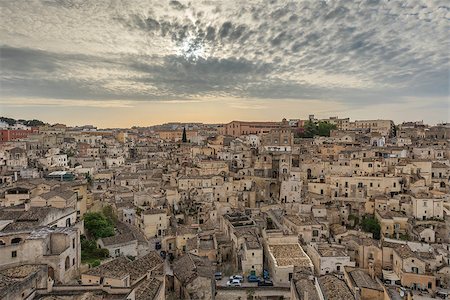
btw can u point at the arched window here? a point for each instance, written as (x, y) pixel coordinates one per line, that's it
(67, 263)
(2, 243)
(68, 223)
(16, 240)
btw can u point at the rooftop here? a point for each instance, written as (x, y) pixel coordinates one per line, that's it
(327, 250)
(305, 286)
(334, 289)
(404, 251)
(289, 255)
(14, 275)
(301, 221)
(116, 268)
(362, 280)
(119, 239)
(189, 266)
(143, 265)
(147, 289)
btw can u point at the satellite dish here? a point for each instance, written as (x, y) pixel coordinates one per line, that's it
(402, 293)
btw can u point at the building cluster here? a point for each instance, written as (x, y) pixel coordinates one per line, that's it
(363, 213)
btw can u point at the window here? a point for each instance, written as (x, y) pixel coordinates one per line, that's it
(67, 263)
(13, 253)
(73, 243)
(16, 241)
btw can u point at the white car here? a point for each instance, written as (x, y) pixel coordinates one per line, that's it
(233, 282)
(237, 277)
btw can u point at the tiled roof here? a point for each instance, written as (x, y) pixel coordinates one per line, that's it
(116, 268)
(363, 280)
(304, 287)
(404, 251)
(289, 254)
(147, 289)
(334, 289)
(189, 266)
(118, 239)
(143, 265)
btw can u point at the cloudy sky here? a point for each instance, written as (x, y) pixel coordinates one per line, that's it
(122, 63)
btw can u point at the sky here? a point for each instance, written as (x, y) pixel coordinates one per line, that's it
(121, 63)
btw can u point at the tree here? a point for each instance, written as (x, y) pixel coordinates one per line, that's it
(310, 129)
(324, 128)
(184, 138)
(370, 224)
(98, 225)
(91, 253)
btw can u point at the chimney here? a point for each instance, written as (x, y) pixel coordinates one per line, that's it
(305, 295)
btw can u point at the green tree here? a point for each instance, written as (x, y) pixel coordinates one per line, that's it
(98, 225)
(370, 224)
(324, 128)
(34, 123)
(184, 138)
(310, 129)
(90, 253)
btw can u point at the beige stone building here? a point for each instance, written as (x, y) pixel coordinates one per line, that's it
(392, 223)
(59, 248)
(153, 222)
(193, 277)
(328, 258)
(284, 258)
(427, 207)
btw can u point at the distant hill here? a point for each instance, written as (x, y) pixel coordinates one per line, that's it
(31, 123)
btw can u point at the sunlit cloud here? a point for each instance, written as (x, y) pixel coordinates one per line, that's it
(339, 54)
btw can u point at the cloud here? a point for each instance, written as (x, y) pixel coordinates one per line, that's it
(355, 52)
(24, 102)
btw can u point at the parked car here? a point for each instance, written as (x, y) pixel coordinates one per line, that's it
(253, 278)
(266, 274)
(218, 275)
(233, 282)
(158, 245)
(237, 277)
(265, 282)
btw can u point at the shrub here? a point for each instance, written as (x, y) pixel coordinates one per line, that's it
(370, 224)
(98, 225)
